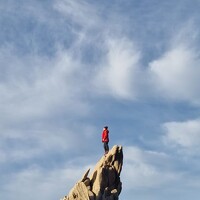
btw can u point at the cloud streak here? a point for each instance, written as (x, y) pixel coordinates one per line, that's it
(144, 169)
(34, 182)
(176, 74)
(49, 86)
(185, 135)
(117, 76)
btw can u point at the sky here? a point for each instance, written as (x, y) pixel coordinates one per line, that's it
(70, 67)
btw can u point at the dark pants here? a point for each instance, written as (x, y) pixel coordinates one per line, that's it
(106, 147)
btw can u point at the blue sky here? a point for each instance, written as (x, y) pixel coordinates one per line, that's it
(67, 68)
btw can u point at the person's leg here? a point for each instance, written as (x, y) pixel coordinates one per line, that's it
(106, 147)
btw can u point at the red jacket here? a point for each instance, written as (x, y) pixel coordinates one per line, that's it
(105, 137)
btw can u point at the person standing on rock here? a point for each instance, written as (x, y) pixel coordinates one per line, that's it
(105, 139)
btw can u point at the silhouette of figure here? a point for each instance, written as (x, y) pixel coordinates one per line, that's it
(105, 139)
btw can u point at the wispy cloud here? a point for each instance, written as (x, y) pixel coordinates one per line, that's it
(183, 135)
(50, 85)
(34, 182)
(118, 74)
(175, 73)
(145, 169)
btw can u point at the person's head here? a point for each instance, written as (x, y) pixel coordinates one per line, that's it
(105, 127)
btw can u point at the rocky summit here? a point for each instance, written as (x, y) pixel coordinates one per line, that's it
(104, 182)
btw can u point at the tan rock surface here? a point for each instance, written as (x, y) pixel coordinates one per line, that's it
(104, 183)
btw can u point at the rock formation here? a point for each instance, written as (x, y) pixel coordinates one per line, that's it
(104, 182)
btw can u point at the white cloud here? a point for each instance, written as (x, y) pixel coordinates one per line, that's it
(118, 74)
(176, 74)
(20, 145)
(146, 169)
(36, 183)
(117, 71)
(46, 87)
(184, 134)
(37, 94)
